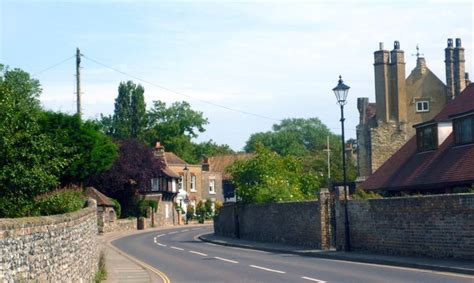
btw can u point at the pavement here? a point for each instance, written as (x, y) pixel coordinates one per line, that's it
(443, 265)
(122, 267)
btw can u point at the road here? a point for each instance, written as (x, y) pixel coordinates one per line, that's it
(183, 258)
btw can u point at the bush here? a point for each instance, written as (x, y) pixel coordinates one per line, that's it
(218, 206)
(190, 212)
(59, 201)
(144, 204)
(360, 194)
(118, 207)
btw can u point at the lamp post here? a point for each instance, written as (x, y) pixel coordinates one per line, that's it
(186, 199)
(341, 91)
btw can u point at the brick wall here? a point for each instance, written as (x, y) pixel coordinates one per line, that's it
(439, 226)
(295, 223)
(58, 248)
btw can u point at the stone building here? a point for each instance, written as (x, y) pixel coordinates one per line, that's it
(400, 102)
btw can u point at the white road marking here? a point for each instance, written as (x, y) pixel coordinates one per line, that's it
(198, 253)
(160, 235)
(227, 260)
(248, 250)
(267, 269)
(161, 245)
(176, 248)
(174, 232)
(185, 230)
(154, 239)
(313, 279)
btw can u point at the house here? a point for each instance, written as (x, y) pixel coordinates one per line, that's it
(400, 103)
(438, 159)
(189, 178)
(216, 183)
(164, 189)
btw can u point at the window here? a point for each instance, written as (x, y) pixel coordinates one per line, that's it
(422, 106)
(212, 186)
(427, 138)
(155, 184)
(180, 183)
(464, 130)
(193, 183)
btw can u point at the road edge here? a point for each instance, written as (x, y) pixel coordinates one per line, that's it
(341, 257)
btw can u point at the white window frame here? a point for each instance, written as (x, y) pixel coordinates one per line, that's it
(193, 183)
(423, 106)
(155, 184)
(212, 186)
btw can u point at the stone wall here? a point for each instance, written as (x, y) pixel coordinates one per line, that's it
(128, 224)
(440, 226)
(58, 248)
(295, 223)
(386, 139)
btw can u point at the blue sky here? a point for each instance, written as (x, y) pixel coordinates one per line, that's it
(278, 59)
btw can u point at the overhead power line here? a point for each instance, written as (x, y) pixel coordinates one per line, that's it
(181, 93)
(53, 66)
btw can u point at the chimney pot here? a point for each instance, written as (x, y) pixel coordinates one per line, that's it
(380, 45)
(450, 42)
(458, 42)
(396, 45)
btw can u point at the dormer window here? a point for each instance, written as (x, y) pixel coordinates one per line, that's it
(427, 137)
(423, 106)
(464, 130)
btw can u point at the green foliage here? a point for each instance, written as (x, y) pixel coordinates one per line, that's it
(129, 118)
(89, 150)
(30, 162)
(144, 204)
(200, 211)
(118, 207)
(307, 140)
(210, 148)
(174, 127)
(101, 273)
(360, 194)
(58, 202)
(218, 206)
(269, 177)
(190, 212)
(463, 190)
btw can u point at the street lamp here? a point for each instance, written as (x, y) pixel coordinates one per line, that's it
(341, 91)
(185, 172)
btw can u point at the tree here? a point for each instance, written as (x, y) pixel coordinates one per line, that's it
(29, 163)
(129, 118)
(306, 139)
(89, 151)
(174, 127)
(210, 148)
(132, 171)
(269, 177)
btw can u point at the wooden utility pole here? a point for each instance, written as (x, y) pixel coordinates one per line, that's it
(78, 81)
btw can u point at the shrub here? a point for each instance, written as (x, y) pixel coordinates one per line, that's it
(118, 207)
(144, 204)
(218, 206)
(360, 194)
(59, 201)
(190, 212)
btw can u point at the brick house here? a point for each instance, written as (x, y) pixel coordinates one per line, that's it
(400, 103)
(216, 183)
(438, 159)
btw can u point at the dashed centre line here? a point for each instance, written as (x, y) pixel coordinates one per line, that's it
(267, 269)
(198, 253)
(160, 235)
(174, 232)
(185, 230)
(176, 248)
(161, 245)
(313, 279)
(226, 260)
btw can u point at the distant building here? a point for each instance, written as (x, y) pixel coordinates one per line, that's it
(400, 102)
(214, 174)
(438, 159)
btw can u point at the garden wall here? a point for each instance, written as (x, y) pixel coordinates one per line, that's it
(440, 226)
(295, 223)
(58, 248)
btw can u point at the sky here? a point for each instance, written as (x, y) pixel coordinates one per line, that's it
(270, 59)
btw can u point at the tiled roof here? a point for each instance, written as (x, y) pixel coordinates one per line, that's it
(170, 173)
(172, 158)
(220, 162)
(102, 200)
(446, 166)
